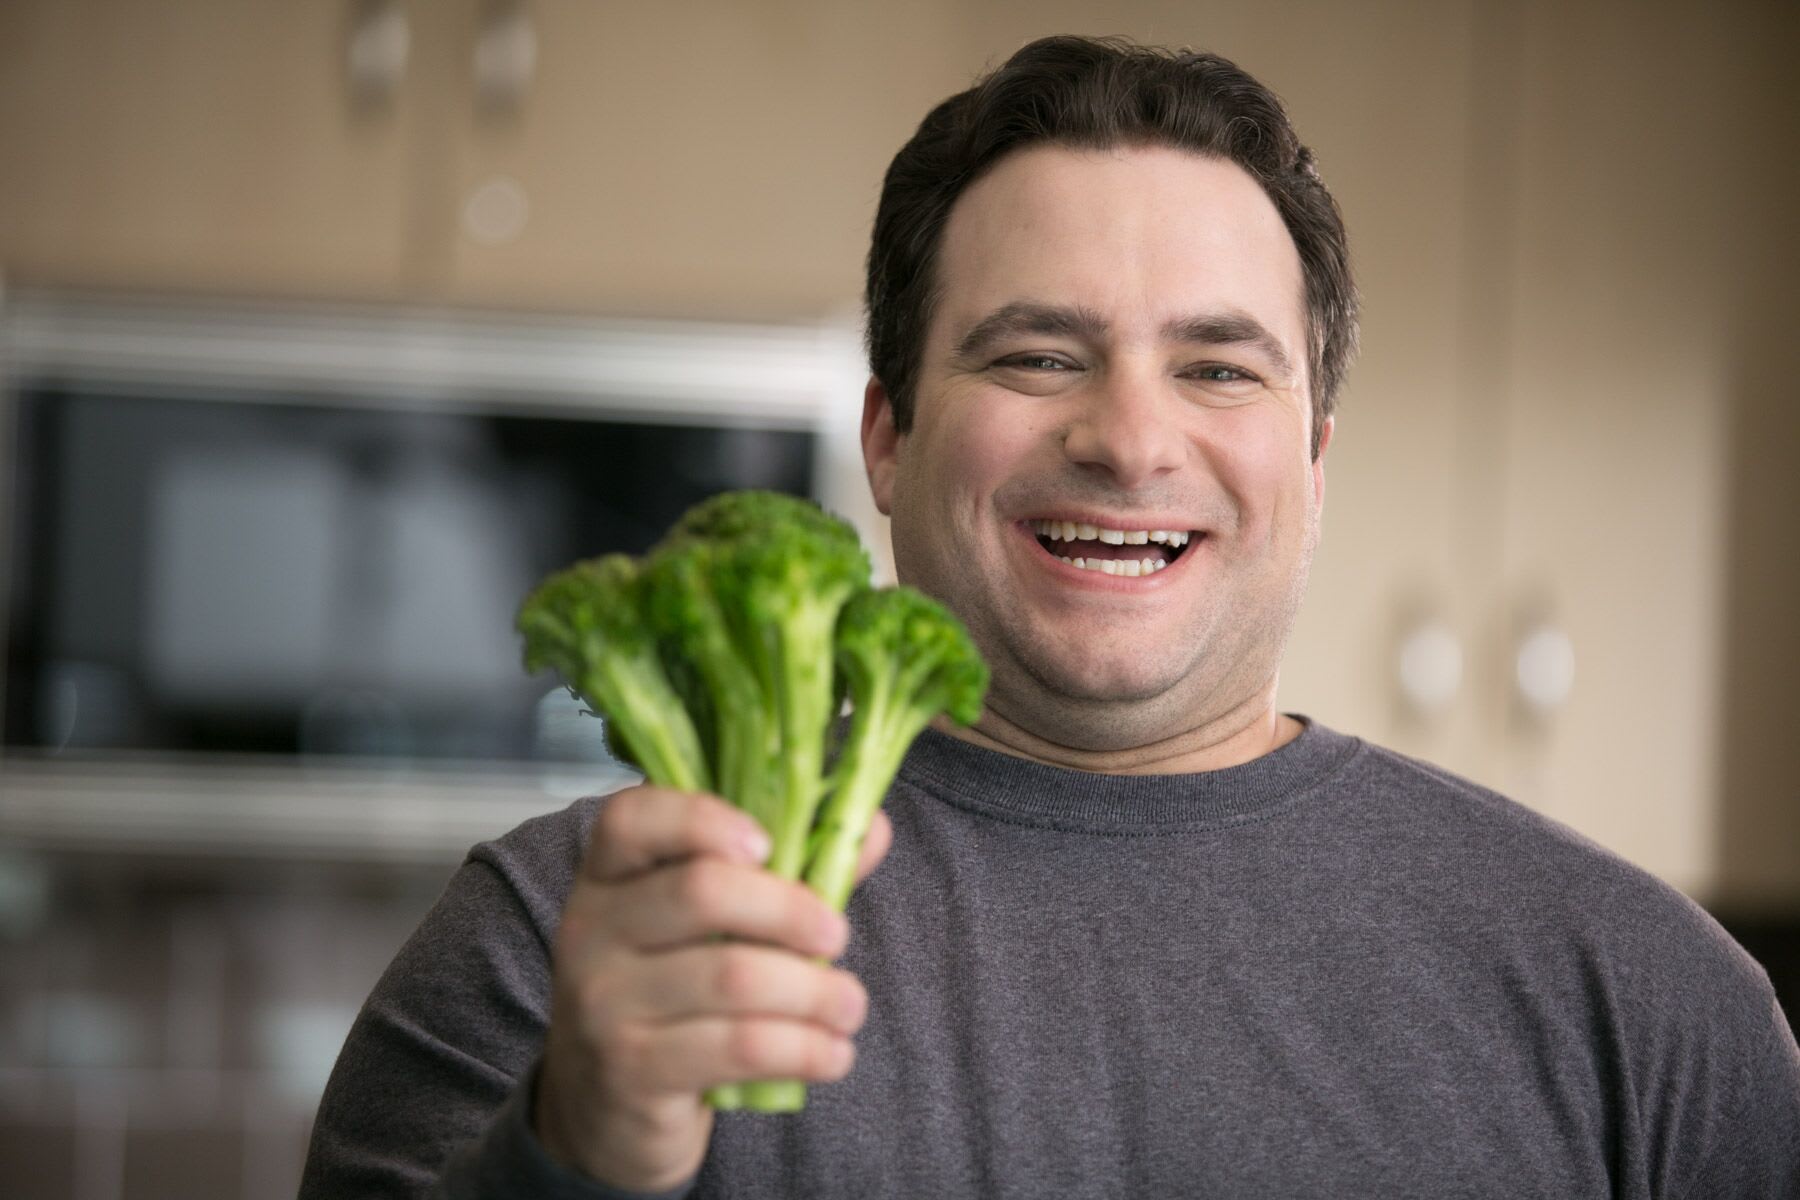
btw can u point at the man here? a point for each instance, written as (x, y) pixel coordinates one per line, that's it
(1139, 932)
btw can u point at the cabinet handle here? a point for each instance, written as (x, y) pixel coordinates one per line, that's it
(1543, 668)
(1429, 667)
(506, 49)
(380, 43)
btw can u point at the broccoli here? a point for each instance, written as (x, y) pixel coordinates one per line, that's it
(720, 661)
(586, 623)
(905, 660)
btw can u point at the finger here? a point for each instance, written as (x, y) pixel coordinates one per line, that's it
(640, 827)
(685, 1057)
(692, 901)
(875, 846)
(742, 979)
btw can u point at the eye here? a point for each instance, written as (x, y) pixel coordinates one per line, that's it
(1034, 362)
(1221, 373)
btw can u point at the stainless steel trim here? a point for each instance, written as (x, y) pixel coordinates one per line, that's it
(216, 807)
(763, 375)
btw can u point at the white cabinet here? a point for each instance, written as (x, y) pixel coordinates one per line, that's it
(1614, 156)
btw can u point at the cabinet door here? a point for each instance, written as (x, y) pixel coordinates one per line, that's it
(197, 144)
(1613, 433)
(691, 159)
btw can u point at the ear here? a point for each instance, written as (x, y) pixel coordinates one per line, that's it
(880, 444)
(1318, 463)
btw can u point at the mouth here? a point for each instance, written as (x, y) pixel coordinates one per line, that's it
(1132, 553)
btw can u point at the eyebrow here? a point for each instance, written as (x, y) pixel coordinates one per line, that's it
(1228, 328)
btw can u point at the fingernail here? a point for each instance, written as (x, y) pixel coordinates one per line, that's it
(755, 843)
(834, 933)
(852, 1007)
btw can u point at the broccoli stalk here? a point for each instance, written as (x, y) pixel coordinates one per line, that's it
(585, 623)
(905, 659)
(792, 586)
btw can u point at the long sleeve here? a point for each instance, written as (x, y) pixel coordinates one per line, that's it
(431, 1093)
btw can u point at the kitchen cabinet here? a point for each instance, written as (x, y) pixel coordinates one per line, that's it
(1613, 405)
(1612, 163)
(206, 145)
(691, 159)
(707, 159)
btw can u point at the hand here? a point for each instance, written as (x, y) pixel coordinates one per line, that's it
(649, 1008)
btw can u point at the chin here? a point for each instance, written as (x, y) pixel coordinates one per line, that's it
(1104, 683)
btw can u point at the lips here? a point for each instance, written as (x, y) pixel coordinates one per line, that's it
(1114, 548)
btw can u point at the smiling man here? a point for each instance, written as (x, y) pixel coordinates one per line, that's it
(1138, 932)
(1111, 468)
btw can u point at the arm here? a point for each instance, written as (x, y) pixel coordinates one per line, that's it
(1755, 1149)
(431, 1081)
(437, 1090)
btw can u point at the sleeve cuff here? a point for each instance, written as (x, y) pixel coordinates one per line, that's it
(510, 1161)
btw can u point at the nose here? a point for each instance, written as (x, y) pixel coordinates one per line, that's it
(1127, 429)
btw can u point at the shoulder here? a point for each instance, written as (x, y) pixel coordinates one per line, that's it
(1543, 879)
(537, 859)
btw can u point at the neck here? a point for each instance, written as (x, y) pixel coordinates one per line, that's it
(1233, 738)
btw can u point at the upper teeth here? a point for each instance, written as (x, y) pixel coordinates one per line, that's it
(1069, 531)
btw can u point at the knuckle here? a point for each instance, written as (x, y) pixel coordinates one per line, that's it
(750, 1046)
(699, 889)
(614, 821)
(594, 996)
(623, 1050)
(699, 816)
(738, 977)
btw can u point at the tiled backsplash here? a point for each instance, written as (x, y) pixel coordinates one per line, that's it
(166, 1027)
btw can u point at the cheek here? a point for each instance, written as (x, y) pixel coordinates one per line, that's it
(968, 451)
(1269, 483)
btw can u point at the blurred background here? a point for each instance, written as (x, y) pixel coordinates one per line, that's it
(327, 327)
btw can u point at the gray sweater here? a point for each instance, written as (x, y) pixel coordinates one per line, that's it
(1332, 971)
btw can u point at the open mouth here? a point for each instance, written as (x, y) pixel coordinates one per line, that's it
(1129, 552)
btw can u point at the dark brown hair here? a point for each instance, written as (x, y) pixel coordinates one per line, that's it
(1099, 93)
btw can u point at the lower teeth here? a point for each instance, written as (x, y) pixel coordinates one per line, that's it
(1130, 567)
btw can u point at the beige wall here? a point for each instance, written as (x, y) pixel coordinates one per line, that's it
(1571, 224)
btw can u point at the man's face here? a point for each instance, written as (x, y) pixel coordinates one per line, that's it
(1120, 343)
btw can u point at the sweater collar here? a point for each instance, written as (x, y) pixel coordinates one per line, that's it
(1033, 793)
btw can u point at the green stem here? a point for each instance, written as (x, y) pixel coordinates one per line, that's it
(872, 754)
(774, 1096)
(727, 1097)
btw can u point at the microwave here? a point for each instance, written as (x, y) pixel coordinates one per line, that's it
(261, 561)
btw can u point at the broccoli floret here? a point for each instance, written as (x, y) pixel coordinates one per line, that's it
(904, 659)
(788, 585)
(698, 631)
(730, 515)
(586, 623)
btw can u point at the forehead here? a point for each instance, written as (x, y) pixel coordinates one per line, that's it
(1141, 234)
